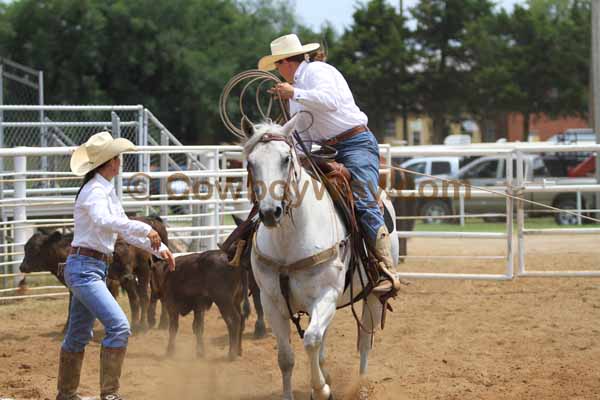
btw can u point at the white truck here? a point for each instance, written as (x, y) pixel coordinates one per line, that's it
(490, 172)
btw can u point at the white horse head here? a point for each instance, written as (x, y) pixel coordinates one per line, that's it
(272, 164)
(308, 244)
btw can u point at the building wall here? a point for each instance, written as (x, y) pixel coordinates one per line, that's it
(541, 127)
(420, 131)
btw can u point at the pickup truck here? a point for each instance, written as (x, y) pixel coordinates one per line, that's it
(490, 172)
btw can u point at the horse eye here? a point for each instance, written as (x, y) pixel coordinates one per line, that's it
(287, 159)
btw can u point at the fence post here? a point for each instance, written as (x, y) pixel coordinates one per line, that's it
(461, 202)
(43, 128)
(579, 207)
(2, 145)
(140, 138)
(520, 215)
(509, 216)
(217, 209)
(20, 211)
(116, 131)
(164, 166)
(208, 160)
(146, 156)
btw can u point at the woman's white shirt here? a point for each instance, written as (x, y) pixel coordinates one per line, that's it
(99, 218)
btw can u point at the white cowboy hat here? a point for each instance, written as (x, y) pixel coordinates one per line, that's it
(99, 148)
(284, 47)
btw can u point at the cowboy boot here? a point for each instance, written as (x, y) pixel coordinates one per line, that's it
(69, 371)
(383, 248)
(111, 362)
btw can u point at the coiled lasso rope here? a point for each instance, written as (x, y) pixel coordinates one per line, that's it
(248, 78)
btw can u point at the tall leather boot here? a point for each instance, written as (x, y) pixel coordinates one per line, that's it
(111, 361)
(69, 372)
(390, 284)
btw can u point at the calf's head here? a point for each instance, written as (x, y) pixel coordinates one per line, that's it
(43, 252)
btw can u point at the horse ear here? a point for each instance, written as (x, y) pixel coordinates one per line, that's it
(247, 127)
(55, 237)
(290, 125)
(237, 220)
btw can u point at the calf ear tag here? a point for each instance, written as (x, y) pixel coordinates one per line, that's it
(61, 269)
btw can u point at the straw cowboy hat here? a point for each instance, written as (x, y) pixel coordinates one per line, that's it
(99, 148)
(284, 47)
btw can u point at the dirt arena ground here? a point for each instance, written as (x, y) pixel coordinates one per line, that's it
(523, 339)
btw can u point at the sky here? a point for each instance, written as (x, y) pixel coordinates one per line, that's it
(314, 13)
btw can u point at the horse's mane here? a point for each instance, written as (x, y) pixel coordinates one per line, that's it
(259, 131)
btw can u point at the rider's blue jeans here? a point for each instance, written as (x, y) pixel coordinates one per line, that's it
(86, 278)
(360, 154)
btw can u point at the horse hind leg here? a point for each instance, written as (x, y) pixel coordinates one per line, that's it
(280, 326)
(371, 319)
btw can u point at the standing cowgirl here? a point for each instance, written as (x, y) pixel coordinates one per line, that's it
(99, 217)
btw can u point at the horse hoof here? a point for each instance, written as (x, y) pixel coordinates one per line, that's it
(326, 389)
(330, 397)
(259, 330)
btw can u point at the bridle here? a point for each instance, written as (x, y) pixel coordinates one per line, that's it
(293, 174)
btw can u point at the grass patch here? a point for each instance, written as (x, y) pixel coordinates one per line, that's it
(478, 225)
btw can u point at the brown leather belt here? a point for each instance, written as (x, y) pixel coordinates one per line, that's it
(346, 135)
(84, 251)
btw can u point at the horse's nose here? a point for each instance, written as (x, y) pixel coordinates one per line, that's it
(270, 216)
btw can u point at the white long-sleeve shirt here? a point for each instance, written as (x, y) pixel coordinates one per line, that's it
(99, 218)
(322, 90)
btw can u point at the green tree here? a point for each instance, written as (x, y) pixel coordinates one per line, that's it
(174, 57)
(549, 58)
(444, 61)
(374, 54)
(490, 86)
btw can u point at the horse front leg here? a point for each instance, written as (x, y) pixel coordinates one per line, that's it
(320, 318)
(322, 354)
(280, 326)
(371, 319)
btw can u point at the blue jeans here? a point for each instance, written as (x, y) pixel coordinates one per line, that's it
(86, 277)
(360, 154)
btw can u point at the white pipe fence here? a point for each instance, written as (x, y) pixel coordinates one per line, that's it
(209, 213)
